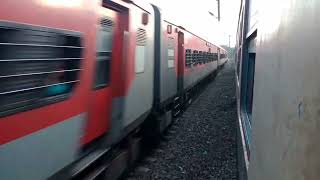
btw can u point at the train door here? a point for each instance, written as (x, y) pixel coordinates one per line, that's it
(101, 96)
(180, 62)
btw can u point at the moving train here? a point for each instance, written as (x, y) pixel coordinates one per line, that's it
(278, 89)
(78, 76)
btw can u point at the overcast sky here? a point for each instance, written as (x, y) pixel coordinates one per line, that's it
(194, 15)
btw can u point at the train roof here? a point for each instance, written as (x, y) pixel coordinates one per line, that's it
(184, 29)
(143, 5)
(148, 8)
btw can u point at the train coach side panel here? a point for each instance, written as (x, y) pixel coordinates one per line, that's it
(140, 96)
(133, 100)
(286, 123)
(38, 141)
(222, 57)
(196, 72)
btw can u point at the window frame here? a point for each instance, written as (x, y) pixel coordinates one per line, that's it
(171, 46)
(72, 41)
(106, 26)
(141, 42)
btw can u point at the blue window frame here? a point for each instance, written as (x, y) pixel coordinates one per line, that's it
(247, 87)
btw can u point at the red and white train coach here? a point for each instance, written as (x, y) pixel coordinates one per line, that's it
(78, 76)
(47, 65)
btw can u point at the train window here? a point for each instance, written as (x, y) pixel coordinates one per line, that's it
(103, 54)
(250, 68)
(246, 99)
(247, 84)
(249, 95)
(207, 57)
(38, 66)
(188, 58)
(170, 58)
(195, 57)
(203, 57)
(140, 51)
(170, 53)
(200, 57)
(215, 56)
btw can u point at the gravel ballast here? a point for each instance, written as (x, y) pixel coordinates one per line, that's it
(201, 143)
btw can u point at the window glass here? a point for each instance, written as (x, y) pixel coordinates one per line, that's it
(195, 57)
(170, 58)
(140, 51)
(171, 52)
(103, 54)
(140, 58)
(188, 57)
(38, 66)
(250, 82)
